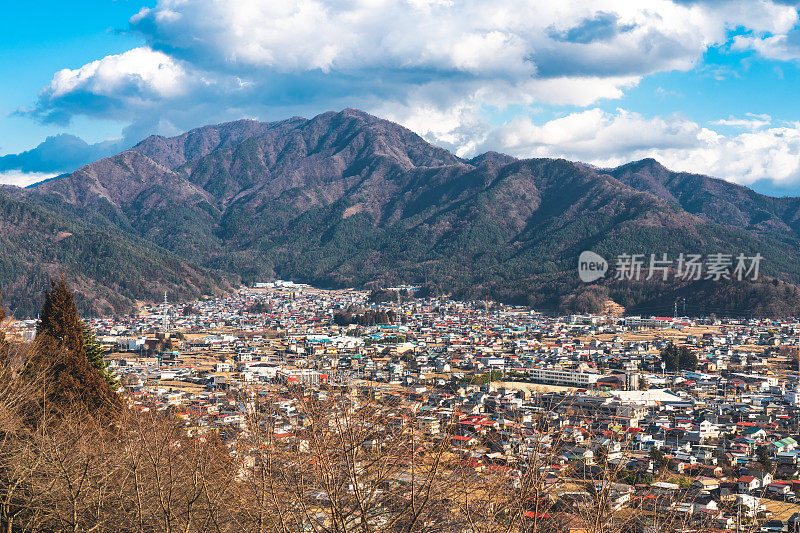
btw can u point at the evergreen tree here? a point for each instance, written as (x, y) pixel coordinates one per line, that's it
(59, 318)
(94, 354)
(675, 358)
(71, 381)
(687, 360)
(93, 349)
(189, 310)
(657, 456)
(343, 319)
(669, 356)
(764, 459)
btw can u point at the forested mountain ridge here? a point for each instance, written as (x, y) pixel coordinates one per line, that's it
(712, 198)
(109, 268)
(348, 199)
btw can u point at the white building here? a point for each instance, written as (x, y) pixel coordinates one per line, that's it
(792, 396)
(563, 377)
(131, 344)
(584, 320)
(653, 322)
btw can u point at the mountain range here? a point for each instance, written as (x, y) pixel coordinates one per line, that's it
(349, 199)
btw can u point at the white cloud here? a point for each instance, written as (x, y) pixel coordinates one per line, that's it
(665, 93)
(590, 135)
(578, 91)
(783, 46)
(149, 72)
(23, 179)
(610, 139)
(436, 66)
(752, 122)
(117, 84)
(420, 53)
(505, 37)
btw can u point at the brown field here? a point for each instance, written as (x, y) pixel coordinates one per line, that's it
(781, 510)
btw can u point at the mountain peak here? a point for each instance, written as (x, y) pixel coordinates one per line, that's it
(346, 198)
(352, 111)
(648, 164)
(496, 158)
(355, 130)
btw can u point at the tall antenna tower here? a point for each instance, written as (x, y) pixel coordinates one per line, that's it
(165, 323)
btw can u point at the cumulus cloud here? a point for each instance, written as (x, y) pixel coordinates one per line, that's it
(610, 139)
(435, 66)
(116, 85)
(254, 55)
(510, 38)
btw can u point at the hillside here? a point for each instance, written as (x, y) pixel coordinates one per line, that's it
(714, 199)
(348, 199)
(108, 268)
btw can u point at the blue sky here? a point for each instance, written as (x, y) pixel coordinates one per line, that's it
(702, 86)
(37, 42)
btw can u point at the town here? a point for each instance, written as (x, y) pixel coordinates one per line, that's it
(710, 435)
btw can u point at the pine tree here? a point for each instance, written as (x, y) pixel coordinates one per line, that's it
(60, 356)
(59, 318)
(94, 354)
